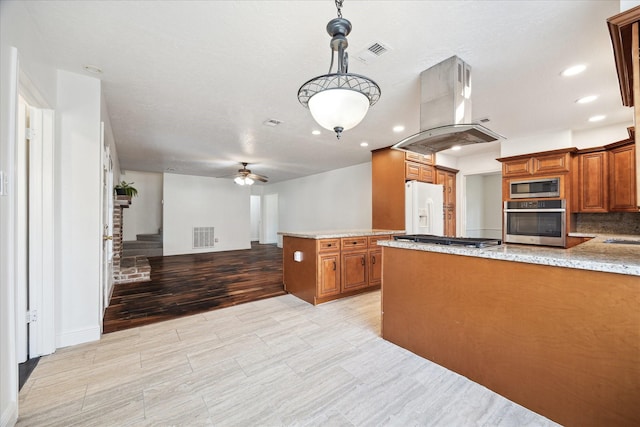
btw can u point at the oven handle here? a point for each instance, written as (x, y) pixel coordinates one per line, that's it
(535, 210)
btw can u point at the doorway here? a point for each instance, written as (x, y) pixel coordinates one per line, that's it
(483, 205)
(269, 208)
(255, 218)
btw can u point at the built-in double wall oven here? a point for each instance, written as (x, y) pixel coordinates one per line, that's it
(540, 220)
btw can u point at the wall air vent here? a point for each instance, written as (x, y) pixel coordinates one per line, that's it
(203, 237)
(372, 52)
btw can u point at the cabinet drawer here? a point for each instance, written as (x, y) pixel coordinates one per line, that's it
(426, 159)
(517, 167)
(373, 240)
(327, 245)
(551, 163)
(354, 243)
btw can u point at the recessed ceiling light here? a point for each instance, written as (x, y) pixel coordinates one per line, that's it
(398, 128)
(573, 70)
(587, 99)
(93, 69)
(456, 148)
(364, 144)
(316, 132)
(597, 118)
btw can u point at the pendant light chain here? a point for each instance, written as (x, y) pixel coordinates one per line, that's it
(339, 7)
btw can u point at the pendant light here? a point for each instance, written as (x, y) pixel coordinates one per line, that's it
(339, 101)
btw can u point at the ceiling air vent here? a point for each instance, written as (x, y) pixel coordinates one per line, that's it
(372, 52)
(271, 122)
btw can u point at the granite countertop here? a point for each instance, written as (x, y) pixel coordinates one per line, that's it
(592, 255)
(335, 234)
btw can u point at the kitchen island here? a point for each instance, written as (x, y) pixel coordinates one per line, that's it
(555, 330)
(320, 266)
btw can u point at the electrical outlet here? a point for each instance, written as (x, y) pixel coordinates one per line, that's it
(215, 240)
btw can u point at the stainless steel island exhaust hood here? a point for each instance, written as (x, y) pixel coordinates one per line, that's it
(445, 111)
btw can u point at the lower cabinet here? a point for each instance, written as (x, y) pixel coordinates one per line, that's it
(354, 270)
(375, 267)
(328, 274)
(327, 269)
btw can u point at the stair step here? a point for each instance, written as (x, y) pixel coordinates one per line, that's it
(142, 252)
(140, 244)
(150, 237)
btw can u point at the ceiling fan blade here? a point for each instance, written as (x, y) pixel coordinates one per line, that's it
(256, 177)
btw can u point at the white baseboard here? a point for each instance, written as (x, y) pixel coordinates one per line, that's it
(79, 336)
(9, 415)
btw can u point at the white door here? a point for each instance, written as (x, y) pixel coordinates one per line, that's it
(106, 273)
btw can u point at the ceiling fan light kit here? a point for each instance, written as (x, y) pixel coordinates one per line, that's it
(339, 101)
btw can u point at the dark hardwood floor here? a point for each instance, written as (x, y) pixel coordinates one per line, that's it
(188, 284)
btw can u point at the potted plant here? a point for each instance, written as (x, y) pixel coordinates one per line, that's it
(125, 189)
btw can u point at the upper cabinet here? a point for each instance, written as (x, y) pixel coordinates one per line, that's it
(556, 161)
(624, 29)
(622, 173)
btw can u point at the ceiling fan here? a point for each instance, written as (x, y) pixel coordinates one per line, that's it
(245, 177)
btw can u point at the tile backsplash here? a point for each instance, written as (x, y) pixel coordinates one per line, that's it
(608, 223)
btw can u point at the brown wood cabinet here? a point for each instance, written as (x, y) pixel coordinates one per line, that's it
(556, 161)
(447, 177)
(622, 178)
(331, 268)
(593, 194)
(390, 170)
(354, 263)
(605, 180)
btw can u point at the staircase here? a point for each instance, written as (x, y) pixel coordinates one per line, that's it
(145, 245)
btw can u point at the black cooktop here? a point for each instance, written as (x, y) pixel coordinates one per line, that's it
(440, 240)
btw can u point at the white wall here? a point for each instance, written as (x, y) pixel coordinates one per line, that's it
(144, 215)
(15, 25)
(80, 231)
(600, 136)
(334, 200)
(195, 201)
(536, 143)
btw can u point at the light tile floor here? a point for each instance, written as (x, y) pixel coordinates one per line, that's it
(272, 362)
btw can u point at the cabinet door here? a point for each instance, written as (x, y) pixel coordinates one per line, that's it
(450, 222)
(426, 173)
(375, 267)
(593, 185)
(328, 275)
(517, 167)
(427, 159)
(411, 171)
(622, 179)
(551, 163)
(354, 270)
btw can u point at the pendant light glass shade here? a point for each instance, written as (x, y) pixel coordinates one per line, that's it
(339, 101)
(338, 108)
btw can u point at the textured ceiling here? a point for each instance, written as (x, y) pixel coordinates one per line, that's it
(188, 85)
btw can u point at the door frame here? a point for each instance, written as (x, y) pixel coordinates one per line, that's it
(39, 262)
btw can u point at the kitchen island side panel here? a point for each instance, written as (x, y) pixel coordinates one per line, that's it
(299, 277)
(562, 342)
